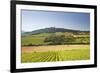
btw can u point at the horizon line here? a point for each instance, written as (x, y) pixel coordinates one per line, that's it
(53, 27)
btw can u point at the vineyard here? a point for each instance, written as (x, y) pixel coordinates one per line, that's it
(58, 46)
(56, 55)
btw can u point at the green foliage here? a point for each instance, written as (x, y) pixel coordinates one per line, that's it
(55, 39)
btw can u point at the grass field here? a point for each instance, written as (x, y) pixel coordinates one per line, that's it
(55, 53)
(32, 40)
(37, 39)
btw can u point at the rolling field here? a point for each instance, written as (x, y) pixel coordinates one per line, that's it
(32, 40)
(37, 39)
(55, 53)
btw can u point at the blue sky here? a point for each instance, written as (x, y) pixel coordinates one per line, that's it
(33, 20)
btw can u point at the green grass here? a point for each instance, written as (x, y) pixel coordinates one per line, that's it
(39, 38)
(41, 35)
(32, 40)
(52, 56)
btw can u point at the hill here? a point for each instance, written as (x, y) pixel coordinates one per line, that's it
(52, 30)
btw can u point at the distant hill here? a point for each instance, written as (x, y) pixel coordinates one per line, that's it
(52, 30)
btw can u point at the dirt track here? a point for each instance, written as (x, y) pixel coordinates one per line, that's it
(53, 48)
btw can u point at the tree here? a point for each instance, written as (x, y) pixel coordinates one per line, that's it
(55, 39)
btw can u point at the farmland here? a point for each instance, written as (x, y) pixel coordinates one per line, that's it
(55, 53)
(55, 46)
(70, 38)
